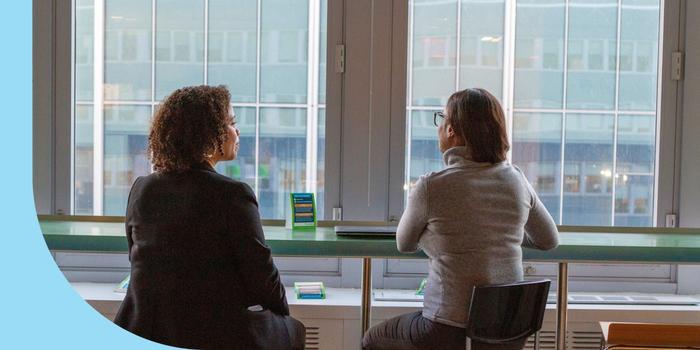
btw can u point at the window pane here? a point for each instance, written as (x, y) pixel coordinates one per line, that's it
(634, 195)
(282, 157)
(537, 152)
(539, 54)
(639, 34)
(83, 160)
(125, 158)
(425, 152)
(243, 167)
(592, 54)
(179, 45)
(233, 47)
(636, 138)
(84, 38)
(127, 50)
(588, 157)
(434, 51)
(634, 180)
(284, 51)
(481, 46)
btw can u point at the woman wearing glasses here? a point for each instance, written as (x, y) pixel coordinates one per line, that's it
(471, 219)
(202, 276)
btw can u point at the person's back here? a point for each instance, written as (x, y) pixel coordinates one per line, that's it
(202, 275)
(185, 260)
(471, 219)
(476, 215)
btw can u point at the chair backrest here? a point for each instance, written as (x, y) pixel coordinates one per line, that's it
(507, 312)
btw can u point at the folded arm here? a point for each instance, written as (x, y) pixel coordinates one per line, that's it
(414, 218)
(258, 273)
(540, 230)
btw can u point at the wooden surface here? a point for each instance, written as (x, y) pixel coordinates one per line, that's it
(651, 334)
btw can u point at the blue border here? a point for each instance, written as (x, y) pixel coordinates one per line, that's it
(38, 308)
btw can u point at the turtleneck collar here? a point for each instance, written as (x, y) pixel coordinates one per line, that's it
(461, 156)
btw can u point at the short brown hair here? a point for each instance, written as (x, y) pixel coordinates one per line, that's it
(477, 116)
(190, 123)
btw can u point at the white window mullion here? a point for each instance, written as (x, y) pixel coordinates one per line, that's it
(206, 42)
(617, 107)
(257, 99)
(153, 62)
(409, 102)
(509, 69)
(312, 96)
(659, 84)
(98, 111)
(563, 115)
(458, 45)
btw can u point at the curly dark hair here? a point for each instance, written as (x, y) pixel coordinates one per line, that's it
(190, 123)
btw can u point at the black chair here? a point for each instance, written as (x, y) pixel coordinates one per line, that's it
(504, 316)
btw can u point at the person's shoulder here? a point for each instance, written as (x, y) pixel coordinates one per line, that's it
(230, 184)
(514, 171)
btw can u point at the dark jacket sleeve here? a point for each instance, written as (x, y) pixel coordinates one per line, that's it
(257, 272)
(128, 216)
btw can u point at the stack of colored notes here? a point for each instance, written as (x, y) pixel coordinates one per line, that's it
(310, 290)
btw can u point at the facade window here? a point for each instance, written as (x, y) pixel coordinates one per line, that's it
(130, 54)
(578, 81)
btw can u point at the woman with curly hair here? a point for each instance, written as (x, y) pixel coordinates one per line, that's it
(202, 275)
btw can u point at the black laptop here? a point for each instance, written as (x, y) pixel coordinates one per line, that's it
(366, 231)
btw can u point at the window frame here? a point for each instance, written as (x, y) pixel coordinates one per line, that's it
(99, 102)
(53, 110)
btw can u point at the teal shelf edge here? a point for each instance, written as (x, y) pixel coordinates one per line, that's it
(677, 246)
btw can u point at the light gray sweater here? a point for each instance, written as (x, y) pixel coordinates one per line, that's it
(471, 219)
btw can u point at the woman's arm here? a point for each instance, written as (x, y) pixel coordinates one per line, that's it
(540, 230)
(128, 215)
(414, 218)
(257, 272)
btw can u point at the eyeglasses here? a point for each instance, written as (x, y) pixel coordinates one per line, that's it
(437, 115)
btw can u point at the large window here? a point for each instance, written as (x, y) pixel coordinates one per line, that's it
(578, 81)
(130, 54)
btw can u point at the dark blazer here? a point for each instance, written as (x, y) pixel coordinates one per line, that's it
(198, 260)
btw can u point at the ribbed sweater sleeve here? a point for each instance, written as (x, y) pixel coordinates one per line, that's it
(414, 218)
(540, 230)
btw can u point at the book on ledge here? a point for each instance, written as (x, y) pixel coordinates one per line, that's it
(310, 290)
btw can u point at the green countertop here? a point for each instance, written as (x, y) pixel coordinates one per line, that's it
(594, 244)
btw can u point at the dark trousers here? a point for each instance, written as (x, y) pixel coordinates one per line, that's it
(413, 331)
